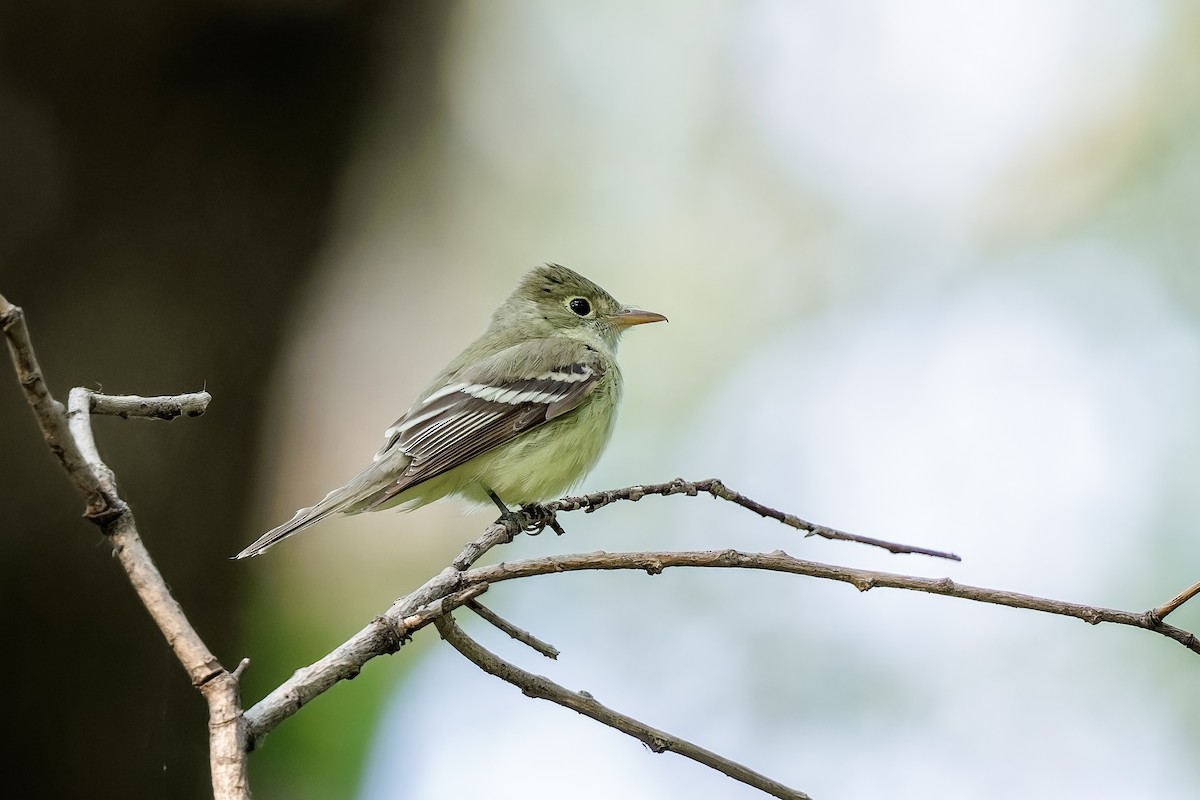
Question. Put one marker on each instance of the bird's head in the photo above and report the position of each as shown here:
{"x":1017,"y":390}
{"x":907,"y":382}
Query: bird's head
{"x":552,"y":300}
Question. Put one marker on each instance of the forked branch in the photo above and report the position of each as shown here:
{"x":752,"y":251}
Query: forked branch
{"x":861,"y":579}
{"x":233,"y":733}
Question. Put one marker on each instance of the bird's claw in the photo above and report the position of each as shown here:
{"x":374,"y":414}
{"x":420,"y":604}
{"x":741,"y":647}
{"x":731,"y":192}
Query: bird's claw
{"x":539,"y":518}
{"x":531,"y":519}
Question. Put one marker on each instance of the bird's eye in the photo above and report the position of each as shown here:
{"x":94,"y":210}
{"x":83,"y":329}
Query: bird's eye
{"x":580,"y":306}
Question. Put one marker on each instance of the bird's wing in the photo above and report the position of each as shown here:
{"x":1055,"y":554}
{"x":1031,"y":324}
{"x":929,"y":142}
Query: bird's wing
{"x":472,"y":411}
{"x":486,"y":405}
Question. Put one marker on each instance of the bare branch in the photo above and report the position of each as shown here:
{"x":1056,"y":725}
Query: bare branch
{"x":51,"y":416}
{"x":502,"y":531}
{"x":386,"y":634}
{"x":68,"y":433}
{"x":69,"y":436}
{"x":310,"y":681}
{"x":1175,"y":602}
{"x":79,"y":423}
{"x":165,"y":407}
{"x":522,"y":636}
{"x":862,"y":579}
{"x":713,"y":486}
{"x":582,"y":702}
{"x":373,"y":640}
{"x":431,"y":611}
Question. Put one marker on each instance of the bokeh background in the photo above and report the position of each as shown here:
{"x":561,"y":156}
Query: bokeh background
{"x":931,"y":269}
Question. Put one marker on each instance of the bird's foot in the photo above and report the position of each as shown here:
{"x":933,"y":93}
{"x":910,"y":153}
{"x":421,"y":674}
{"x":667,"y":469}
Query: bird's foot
{"x":532,"y":518}
{"x":539,"y":518}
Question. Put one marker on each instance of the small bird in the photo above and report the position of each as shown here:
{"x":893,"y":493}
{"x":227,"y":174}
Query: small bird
{"x":519,"y":417}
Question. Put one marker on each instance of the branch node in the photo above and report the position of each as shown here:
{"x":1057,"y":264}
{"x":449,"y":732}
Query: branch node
{"x":677,"y":486}
{"x":657,"y":745}
{"x":240,"y":669}
{"x":103,"y":512}
{"x":395,"y":633}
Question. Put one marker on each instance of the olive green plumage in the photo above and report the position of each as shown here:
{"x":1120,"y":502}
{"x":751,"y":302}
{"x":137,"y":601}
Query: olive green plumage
{"x":524,"y":412}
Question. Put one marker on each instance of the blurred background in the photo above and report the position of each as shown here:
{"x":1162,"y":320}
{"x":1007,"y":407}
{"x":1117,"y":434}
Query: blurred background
{"x":931,"y":270}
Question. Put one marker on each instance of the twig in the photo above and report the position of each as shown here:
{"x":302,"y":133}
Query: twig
{"x":1175,"y":602}
{"x":310,"y":681}
{"x":69,"y":436}
{"x":165,"y":407}
{"x":522,"y":636}
{"x":658,"y":741}
{"x":862,"y":579}
{"x":79,"y":423}
{"x":378,"y":638}
{"x":51,"y":416}
{"x":716,"y":488}
{"x":431,"y":611}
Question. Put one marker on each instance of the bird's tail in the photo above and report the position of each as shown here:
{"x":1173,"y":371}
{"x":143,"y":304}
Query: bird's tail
{"x":302,"y":519}
{"x":338,"y":501}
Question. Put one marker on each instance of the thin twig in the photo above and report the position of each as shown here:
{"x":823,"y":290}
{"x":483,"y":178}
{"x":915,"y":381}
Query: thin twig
{"x":164,"y":407}
{"x":522,"y":636}
{"x":658,"y":741}
{"x":310,"y":681}
{"x":862,"y":579}
{"x":1176,"y":601}
{"x":716,"y":488}
{"x":431,"y":611}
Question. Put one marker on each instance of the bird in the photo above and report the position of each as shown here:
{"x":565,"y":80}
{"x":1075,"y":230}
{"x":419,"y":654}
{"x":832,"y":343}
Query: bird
{"x":517,"y":418}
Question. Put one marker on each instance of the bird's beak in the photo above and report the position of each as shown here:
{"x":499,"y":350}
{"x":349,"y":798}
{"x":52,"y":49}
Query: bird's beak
{"x":628,"y":317}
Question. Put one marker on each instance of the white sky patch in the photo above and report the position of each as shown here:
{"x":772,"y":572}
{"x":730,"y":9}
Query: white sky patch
{"x":1023,"y":424}
{"x":892,"y":107}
